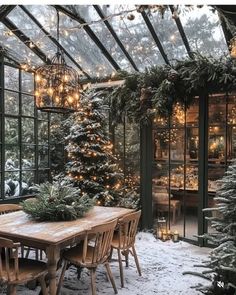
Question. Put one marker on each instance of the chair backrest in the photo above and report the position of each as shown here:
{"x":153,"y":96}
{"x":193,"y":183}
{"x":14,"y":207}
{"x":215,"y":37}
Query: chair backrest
{"x":101,"y":238}
{"x":7,"y":208}
{"x":127,"y":229}
{"x":9,"y":266}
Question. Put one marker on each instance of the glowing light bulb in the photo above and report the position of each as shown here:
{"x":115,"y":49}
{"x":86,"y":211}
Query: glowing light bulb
{"x":50,"y":91}
{"x":37,"y":78}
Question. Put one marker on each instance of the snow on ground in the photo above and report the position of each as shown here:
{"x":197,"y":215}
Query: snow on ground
{"x":162,"y":265}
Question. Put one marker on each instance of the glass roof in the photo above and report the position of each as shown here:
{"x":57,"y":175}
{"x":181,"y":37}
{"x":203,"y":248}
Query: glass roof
{"x":169,"y":35}
{"x":135,"y":36}
{"x":204,"y":32}
{"x":89,"y":14}
{"x":21,"y":52}
{"x":201,"y":26}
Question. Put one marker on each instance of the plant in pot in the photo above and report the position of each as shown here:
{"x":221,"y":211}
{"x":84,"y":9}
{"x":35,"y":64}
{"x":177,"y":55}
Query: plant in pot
{"x":57,"y":202}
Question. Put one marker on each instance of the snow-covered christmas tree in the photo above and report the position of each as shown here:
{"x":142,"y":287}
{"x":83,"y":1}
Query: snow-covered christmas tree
{"x":91,"y":164}
{"x":223,"y":257}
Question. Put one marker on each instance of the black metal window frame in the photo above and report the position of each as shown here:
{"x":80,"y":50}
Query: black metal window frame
{"x":19,"y":118}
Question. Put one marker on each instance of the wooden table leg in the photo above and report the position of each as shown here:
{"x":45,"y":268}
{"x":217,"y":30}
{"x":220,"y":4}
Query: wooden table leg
{"x":53,"y":255}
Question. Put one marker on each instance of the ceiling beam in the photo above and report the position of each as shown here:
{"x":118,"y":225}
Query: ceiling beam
{"x":155,"y":37}
{"x":53,"y":40}
{"x":91,"y":34}
{"x":5,"y":10}
{"x":113,"y":33}
{"x":182,"y":33}
{"x":26,"y":40}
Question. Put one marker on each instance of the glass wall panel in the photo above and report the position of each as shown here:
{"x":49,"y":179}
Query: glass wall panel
{"x":28,"y":157}
{"x":175,"y":170}
{"x":127,"y":149}
{"x":28,"y":180}
{"x":11,"y":130}
{"x":27,"y":130}
{"x":11,"y":103}
{"x":19,"y":168}
{"x":28,"y":105}
{"x":12,"y":184}
{"x":27,"y":82}
{"x":43,"y":128}
{"x":12,"y":157}
{"x":11,"y":78}
{"x":43,"y":157}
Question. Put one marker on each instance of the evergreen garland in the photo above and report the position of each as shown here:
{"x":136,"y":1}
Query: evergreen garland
{"x":57,"y":202}
{"x":164,"y":86}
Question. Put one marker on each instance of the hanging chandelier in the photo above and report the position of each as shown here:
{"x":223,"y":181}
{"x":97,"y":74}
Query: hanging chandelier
{"x":57,"y":84}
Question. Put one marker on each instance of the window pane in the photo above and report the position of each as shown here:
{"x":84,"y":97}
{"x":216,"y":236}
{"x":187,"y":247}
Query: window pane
{"x":161,"y":145}
{"x":12,"y":184}
{"x":43,"y":157}
{"x":192,"y":113}
{"x":43,"y":176}
{"x":11,"y":103}
{"x":28,"y":130}
{"x":28,"y":179}
{"x":28,"y":157}
{"x":177,"y":138}
{"x":178,"y":117}
{"x":27,"y":105}
{"x":11,"y":130}
{"x":192,"y":141}
{"x":43,"y":132}
{"x":12,"y":159}
{"x":11,"y":78}
{"x":27,"y":82}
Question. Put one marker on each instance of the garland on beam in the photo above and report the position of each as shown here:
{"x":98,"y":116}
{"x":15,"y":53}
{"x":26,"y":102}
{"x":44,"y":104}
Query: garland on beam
{"x":158,"y":89}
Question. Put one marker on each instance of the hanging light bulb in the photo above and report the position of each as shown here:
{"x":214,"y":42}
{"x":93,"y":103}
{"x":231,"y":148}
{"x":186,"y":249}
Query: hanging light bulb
{"x":57,"y":84}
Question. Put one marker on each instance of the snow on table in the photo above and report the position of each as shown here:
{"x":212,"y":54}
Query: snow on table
{"x":162,"y":265}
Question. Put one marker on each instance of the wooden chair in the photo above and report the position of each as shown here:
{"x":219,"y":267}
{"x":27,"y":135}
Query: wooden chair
{"x":92,"y":252}
{"x":161,"y":201}
{"x":124,"y":241}
{"x":14,"y":270}
{"x":8,"y":208}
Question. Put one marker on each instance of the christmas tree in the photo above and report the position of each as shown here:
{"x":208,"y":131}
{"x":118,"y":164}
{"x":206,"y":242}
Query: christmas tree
{"x":91,"y":164}
{"x":222,"y":261}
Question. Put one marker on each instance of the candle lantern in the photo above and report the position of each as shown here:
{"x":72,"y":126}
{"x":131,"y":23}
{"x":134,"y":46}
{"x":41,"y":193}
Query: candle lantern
{"x":175,"y":237}
{"x":161,"y":227}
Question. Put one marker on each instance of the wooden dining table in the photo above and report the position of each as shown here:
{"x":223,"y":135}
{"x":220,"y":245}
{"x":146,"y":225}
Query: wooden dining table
{"x":52,"y":237}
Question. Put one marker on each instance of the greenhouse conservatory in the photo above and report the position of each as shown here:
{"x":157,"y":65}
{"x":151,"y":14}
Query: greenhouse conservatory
{"x":117,"y":120}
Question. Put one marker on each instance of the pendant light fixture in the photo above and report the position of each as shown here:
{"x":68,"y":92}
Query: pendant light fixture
{"x":57,"y":84}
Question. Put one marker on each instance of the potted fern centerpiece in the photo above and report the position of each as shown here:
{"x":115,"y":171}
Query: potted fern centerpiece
{"x":57,"y":202}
